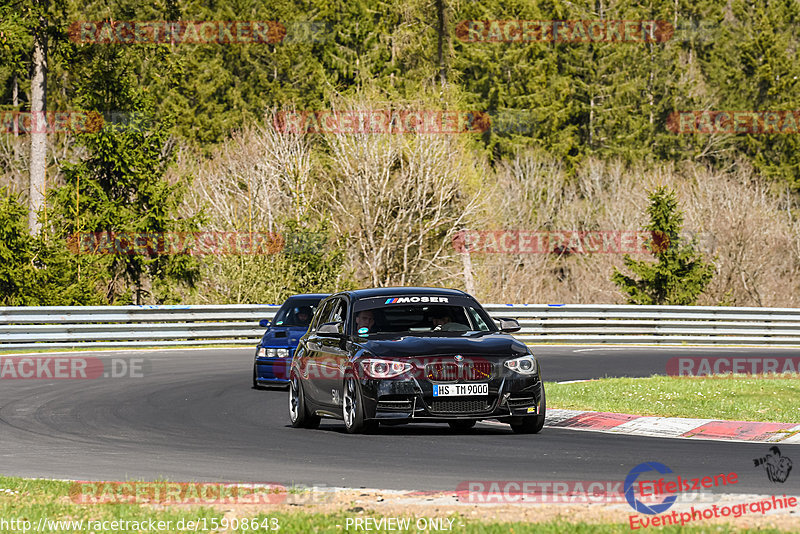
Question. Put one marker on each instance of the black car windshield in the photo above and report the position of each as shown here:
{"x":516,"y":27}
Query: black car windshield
{"x":296,"y":312}
{"x":420,"y":319}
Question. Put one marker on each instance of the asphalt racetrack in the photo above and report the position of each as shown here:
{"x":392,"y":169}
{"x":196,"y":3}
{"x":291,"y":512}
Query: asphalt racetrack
{"x":195,"y":417}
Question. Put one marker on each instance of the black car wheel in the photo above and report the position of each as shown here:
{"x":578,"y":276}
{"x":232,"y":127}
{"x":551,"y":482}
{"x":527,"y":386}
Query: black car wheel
{"x":532,"y":424}
{"x":298,"y":414}
{"x":353,"y":408}
{"x":255,"y":378}
{"x":461,"y":425}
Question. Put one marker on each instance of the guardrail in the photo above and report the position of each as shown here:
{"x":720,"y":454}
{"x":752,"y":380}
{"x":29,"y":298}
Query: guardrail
{"x":613,"y":323}
{"x":129,"y":326}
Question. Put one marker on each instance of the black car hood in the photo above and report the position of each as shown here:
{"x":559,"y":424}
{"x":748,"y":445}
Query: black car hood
{"x":411,"y":346}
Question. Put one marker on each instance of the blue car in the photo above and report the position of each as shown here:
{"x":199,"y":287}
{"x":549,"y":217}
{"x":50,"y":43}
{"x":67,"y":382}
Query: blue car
{"x":274,"y":352}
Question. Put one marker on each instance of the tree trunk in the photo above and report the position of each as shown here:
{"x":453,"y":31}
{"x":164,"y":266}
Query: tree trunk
{"x":591,"y":120}
{"x":442,"y":31}
{"x":38,"y":123}
{"x":15,"y":102}
{"x":469,"y":281}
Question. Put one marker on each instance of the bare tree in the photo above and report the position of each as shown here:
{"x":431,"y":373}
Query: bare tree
{"x":399,"y":199}
{"x":256,"y":181}
{"x":259,"y":177}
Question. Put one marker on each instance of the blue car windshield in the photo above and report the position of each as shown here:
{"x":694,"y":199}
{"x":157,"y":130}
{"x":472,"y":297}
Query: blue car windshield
{"x":296,"y":312}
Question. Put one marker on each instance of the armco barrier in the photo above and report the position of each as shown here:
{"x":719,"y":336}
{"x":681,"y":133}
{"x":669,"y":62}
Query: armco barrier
{"x":126,"y":326}
{"x":130,"y":326}
{"x":614,"y":323}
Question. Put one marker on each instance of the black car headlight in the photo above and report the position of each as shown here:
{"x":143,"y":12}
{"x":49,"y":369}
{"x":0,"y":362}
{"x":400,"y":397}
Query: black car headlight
{"x":375,"y":368}
{"x":526,"y":365}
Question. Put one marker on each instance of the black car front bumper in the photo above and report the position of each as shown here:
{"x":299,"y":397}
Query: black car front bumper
{"x":412,"y":400}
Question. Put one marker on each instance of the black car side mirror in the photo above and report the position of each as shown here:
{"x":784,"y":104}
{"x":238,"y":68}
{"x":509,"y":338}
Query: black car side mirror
{"x":263,"y":323}
{"x":507,"y":325}
{"x":331,"y":329}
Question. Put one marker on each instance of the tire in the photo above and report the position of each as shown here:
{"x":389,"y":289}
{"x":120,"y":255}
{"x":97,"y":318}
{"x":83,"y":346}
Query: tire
{"x":298,"y":414}
{"x":353,"y":408}
{"x":532,"y":424}
{"x":255,"y":378}
{"x":461,"y":425}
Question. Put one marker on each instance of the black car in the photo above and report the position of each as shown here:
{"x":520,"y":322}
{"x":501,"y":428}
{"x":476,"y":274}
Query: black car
{"x":401,"y":355}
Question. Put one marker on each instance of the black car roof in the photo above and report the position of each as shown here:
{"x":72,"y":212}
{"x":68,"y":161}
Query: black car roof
{"x":395,"y":291}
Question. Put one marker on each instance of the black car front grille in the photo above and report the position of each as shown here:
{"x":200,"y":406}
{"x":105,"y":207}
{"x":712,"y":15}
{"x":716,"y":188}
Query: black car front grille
{"x":460,"y":406}
{"x":442,"y":372}
{"x":478,"y":370}
{"x":468,"y":371}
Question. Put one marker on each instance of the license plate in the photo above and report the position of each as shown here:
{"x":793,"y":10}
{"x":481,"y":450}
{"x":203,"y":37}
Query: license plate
{"x":460,"y":390}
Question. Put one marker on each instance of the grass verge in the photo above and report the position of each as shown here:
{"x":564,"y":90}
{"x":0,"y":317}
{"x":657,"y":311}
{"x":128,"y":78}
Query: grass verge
{"x":37,"y":505}
{"x":728,"y":397}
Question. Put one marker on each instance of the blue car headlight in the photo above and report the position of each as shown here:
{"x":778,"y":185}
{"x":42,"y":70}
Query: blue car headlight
{"x":266,"y":352}
{"x":526,"y":365}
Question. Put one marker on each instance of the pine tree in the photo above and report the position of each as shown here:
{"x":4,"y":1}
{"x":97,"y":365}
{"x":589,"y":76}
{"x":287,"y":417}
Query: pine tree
{"x":120,"y":188}
{"x":680,"y":274}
